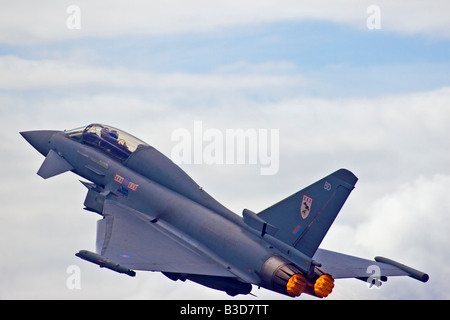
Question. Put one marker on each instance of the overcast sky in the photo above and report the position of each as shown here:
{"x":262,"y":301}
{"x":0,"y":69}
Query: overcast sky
{"x":343,"y":89}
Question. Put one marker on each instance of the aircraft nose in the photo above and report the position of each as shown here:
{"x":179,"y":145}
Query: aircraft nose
{"x":39,"y":139}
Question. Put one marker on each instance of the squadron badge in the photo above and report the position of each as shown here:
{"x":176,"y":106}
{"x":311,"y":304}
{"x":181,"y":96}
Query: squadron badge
{"x":305,"y":207}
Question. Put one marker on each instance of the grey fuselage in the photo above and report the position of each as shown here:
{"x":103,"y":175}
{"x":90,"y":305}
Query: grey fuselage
{"x":166,"y":194}
{"x":156,"y":218}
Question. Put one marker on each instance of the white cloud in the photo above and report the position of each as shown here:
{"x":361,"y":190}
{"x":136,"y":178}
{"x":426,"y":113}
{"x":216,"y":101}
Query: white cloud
{"x":25,"y":74}
{"x":45,"y":20}
{"x":414,"y":208}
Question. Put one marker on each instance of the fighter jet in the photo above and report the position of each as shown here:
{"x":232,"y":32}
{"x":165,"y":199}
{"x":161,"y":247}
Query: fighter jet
{"x":154,"y":217}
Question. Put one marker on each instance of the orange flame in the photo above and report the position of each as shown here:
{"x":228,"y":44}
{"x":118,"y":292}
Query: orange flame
{"x":323,"y":286}
{"x":296,"y":285}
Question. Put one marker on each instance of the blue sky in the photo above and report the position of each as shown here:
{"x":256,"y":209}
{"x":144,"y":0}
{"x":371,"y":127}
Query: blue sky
{"x":373,"y":101}
{"x":347,"y":61}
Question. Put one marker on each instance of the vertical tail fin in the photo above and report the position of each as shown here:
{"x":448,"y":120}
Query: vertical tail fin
{"x":304,"y":218}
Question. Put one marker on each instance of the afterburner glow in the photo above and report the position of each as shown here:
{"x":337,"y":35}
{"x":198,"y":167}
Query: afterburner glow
{"x":323,"y":286}
{"x":296,"y":285}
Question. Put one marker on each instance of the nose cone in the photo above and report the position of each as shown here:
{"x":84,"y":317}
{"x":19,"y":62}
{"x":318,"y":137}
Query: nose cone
{"x":39,"y":139}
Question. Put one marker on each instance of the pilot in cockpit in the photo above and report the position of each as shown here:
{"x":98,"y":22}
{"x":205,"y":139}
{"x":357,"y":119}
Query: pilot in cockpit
{"x":111,"y":136}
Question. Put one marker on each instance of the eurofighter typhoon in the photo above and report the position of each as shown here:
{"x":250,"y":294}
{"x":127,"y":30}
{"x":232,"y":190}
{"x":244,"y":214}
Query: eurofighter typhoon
{"x":156,"y":218}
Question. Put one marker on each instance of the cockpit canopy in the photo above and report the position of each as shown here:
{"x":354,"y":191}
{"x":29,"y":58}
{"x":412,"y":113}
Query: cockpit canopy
{"x":110,"y":140}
